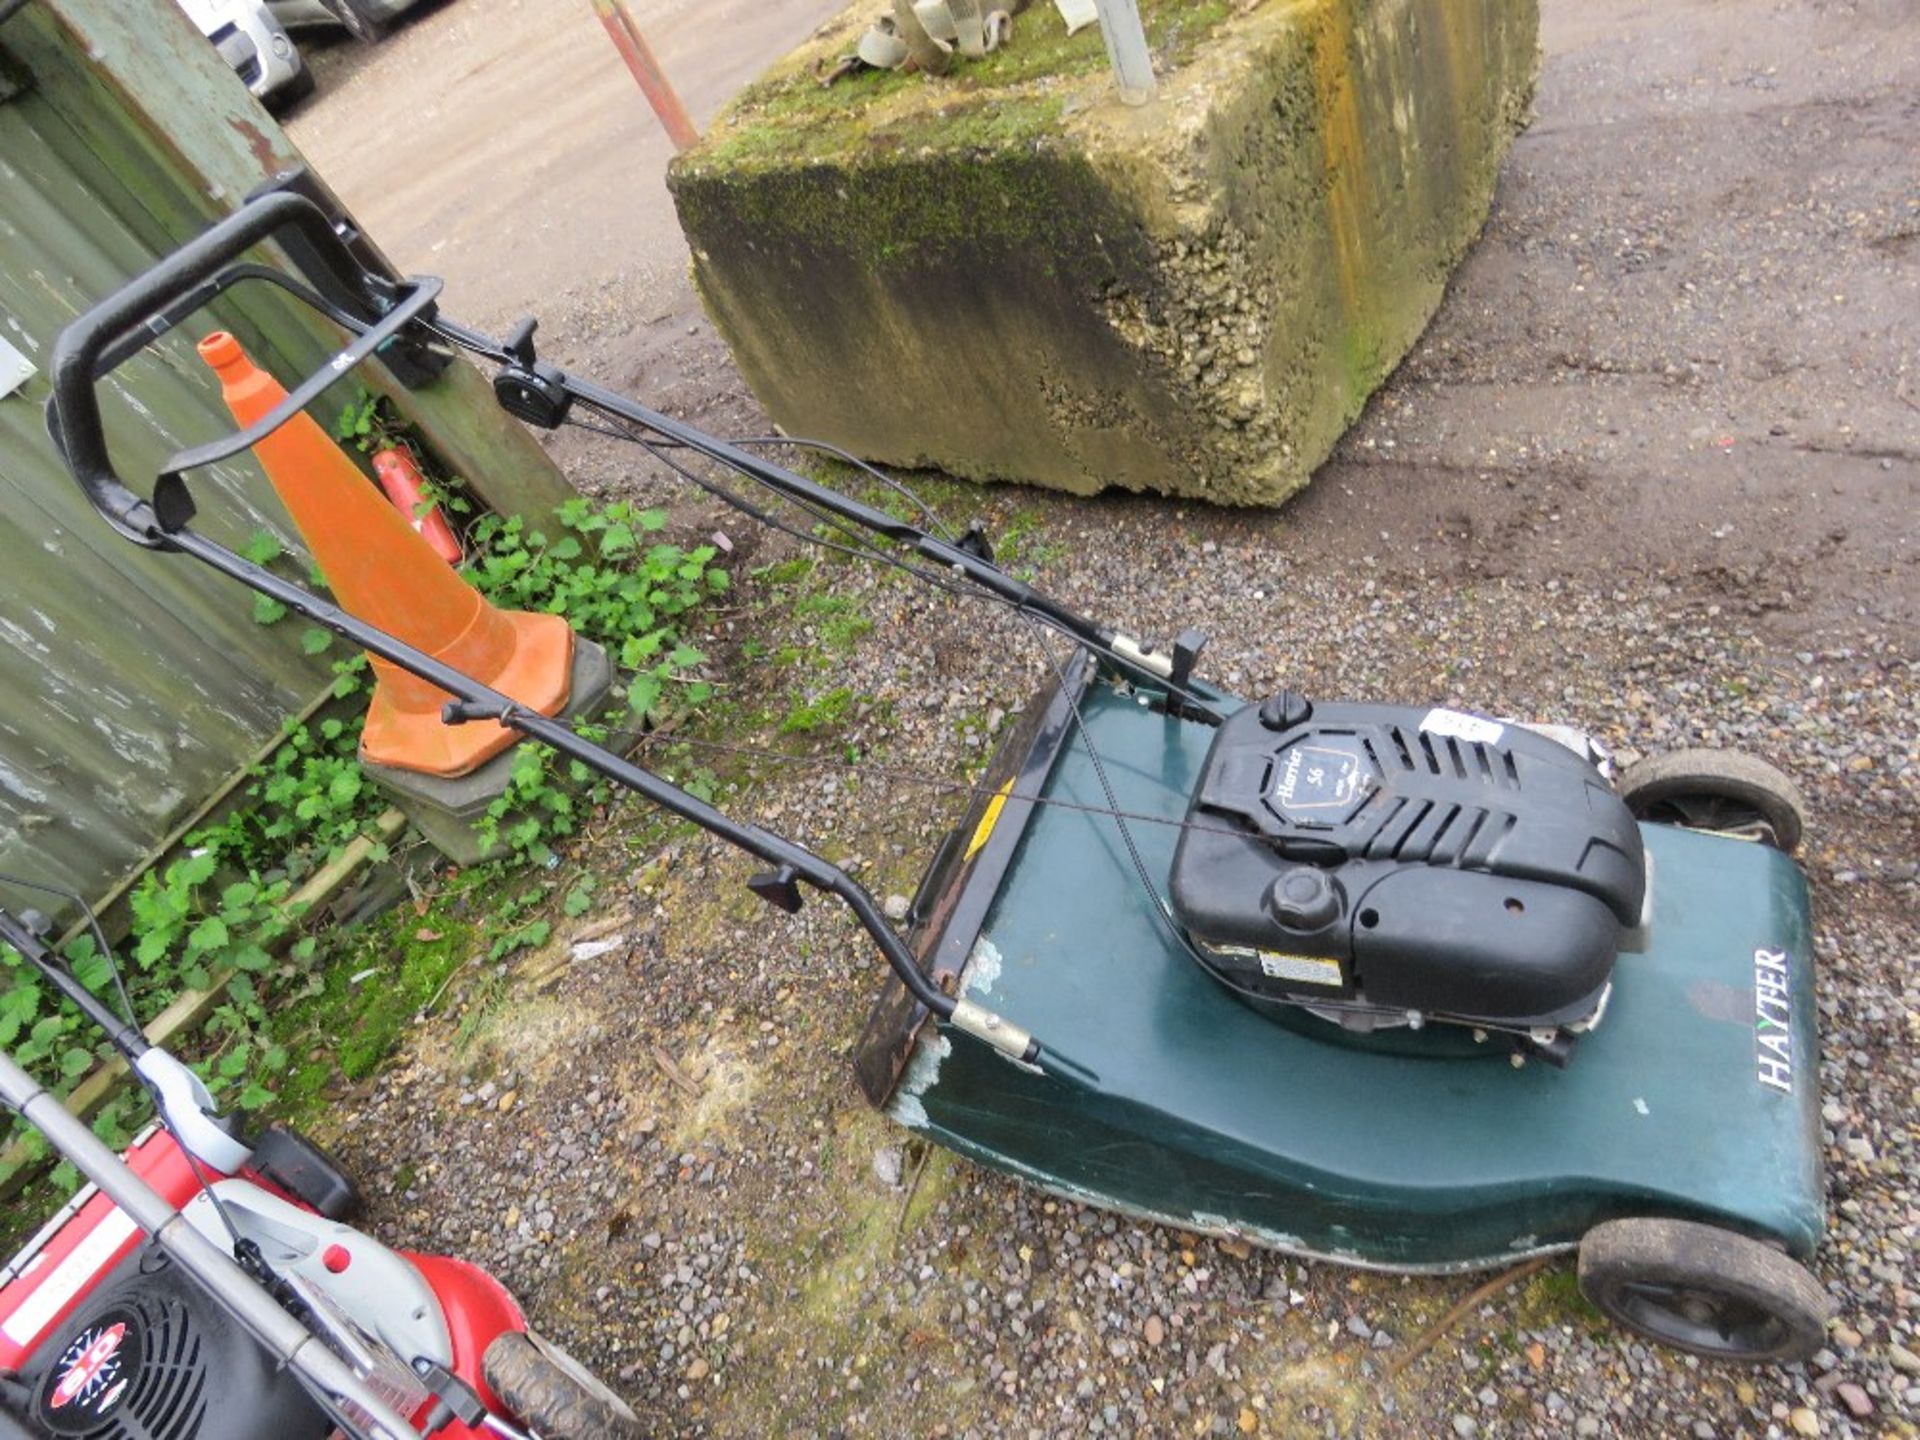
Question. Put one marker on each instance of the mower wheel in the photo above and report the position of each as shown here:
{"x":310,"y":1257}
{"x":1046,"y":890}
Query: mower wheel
{"x":1703,"y":1289}
{"x":553,"y":1394}
{"x":304,"y":1169}
{"x":1722,"y":791}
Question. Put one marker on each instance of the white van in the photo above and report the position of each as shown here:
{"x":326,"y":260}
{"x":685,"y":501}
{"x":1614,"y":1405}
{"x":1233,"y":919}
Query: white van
{"x":252,"y":40}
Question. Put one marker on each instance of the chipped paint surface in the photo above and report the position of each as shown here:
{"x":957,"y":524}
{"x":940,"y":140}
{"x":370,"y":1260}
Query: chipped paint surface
{"x":920,"y":1076}
{"x":1218,"y":1226}
{"x":922,"y":1070}
{"x":982,"y":970}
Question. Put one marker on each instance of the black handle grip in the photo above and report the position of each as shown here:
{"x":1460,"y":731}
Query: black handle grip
{"x":148,"y":306}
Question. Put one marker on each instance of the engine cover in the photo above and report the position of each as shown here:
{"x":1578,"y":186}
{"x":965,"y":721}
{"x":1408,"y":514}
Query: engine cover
{"x":151,"y":1356}
{"x":1406,"y":860}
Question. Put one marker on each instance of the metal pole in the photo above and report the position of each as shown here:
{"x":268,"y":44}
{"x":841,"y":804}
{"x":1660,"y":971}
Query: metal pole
{"x":653,"y":81}
{"x":290,"y":1342}
{"x":1126,"y":41}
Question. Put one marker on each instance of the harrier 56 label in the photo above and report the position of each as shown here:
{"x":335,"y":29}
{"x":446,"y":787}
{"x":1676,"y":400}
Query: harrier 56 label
{"x":1317,"y":778}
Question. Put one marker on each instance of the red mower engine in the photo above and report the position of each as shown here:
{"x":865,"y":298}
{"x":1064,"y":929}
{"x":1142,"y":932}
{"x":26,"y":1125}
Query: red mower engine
{"x":207,"y":1285}
{"x":103,"y":1338}
{"x":101,"y":1335}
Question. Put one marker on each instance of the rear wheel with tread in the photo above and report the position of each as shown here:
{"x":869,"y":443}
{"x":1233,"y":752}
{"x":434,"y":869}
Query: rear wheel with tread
{"x":1721,"y":791}
{"x":1703,"y":1289}
{"x":552,"y":1393}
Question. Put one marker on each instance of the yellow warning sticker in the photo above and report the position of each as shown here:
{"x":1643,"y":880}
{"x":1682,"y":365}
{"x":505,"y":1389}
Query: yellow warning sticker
{"x":984,"y":830}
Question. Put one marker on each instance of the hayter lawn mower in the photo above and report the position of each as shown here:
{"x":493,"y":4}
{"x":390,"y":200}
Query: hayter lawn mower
{"x":209,"y":1285}
{"x":1400,"y":987}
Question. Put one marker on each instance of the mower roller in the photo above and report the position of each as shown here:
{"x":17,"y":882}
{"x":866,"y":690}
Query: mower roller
{"x":1399,"y":987}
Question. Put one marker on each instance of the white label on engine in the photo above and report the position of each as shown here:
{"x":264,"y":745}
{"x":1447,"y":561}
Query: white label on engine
{"x":1462,"y":726}
{"x":1307,"y":969}
{"x":67,"y":1279}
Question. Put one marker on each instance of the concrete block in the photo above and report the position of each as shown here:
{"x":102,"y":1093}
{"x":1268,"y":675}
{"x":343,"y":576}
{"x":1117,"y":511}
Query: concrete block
{"x":447,"y":812}
{"x":1006,"y":274}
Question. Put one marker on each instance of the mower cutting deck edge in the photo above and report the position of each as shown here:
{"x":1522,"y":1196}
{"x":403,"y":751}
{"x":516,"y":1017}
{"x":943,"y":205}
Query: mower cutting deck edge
{"x":1400,"y":1150}
{"x":1415,"y":989}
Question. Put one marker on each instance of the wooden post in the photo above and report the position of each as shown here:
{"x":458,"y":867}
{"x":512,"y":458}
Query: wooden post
{"x":179,"y":113}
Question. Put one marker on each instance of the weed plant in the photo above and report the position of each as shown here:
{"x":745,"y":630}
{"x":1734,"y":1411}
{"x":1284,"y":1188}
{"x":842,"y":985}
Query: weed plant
{"x":219,"y":918}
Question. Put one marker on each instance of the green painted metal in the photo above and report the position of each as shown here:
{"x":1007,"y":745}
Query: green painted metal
{"x":130,"y":685}
{"x":1209,"y":1117}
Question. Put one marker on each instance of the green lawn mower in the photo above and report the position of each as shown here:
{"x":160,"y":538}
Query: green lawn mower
{"x":1398,"y":987}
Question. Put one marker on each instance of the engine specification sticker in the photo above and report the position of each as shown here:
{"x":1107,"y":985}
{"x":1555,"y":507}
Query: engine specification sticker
{"x":1306,"y":969}
{"x":1462,"y":726}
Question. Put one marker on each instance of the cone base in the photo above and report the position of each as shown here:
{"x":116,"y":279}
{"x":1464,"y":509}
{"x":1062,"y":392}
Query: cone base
{"x":449,"y":811}
{"x":538,"y":675}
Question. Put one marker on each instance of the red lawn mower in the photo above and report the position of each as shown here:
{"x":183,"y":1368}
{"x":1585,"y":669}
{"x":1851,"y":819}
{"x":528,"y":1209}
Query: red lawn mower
{"x":209,"y":1286}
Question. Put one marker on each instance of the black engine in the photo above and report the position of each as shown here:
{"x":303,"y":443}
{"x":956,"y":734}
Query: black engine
{"x":150,"y":1356}
{"x":1389,"y":865}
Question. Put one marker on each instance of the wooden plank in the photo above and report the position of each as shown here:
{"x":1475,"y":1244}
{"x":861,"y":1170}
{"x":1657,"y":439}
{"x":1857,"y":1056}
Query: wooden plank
{"x":191,"y":1007}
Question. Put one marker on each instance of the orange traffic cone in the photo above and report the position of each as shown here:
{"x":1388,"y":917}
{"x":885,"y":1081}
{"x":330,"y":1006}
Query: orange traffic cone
{"x":386,"y":574}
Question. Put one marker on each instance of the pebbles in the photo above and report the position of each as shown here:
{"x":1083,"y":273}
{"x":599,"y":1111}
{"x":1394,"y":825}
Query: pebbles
{"x":742,"y":1254}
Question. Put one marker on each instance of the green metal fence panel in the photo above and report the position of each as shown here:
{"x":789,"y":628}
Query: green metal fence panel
{"x":131,"y":683}
{"x":131,"y":686}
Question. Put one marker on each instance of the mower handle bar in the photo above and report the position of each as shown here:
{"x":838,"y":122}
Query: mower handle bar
{"x":1132,"y":658}
{"x":97,"y":343}
{"x":183,"y":282}
{"x":792,"y":861}
{"x":154,"y":302}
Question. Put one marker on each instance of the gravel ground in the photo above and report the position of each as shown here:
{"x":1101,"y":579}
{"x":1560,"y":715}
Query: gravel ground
{"x":1651,"y":473}
{"x":742,"y":1244}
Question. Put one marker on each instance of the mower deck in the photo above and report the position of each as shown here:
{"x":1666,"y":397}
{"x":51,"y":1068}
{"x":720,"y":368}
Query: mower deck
{"x":1695,"y":1098}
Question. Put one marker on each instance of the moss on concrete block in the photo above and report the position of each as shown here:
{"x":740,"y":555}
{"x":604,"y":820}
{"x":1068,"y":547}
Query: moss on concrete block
{"x":1007,"y":275}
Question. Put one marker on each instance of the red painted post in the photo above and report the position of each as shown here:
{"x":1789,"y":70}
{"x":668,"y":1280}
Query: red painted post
{"x":646,"y":70}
